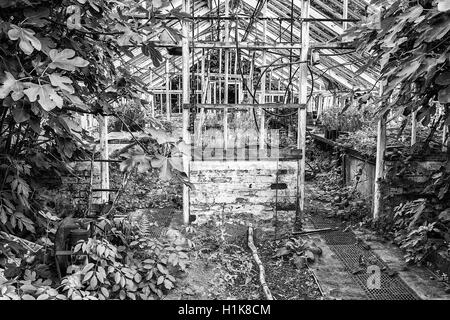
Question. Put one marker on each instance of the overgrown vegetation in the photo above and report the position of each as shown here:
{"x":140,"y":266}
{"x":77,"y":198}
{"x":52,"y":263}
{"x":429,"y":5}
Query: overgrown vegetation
{"x":409,"y":41}
{"x":58,"y":59}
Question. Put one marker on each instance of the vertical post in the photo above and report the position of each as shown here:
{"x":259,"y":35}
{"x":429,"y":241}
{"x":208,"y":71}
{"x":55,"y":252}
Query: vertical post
{"x":270,"y":80}
{"x":303,"y":88}
{"x":220,"y":77}
{"x":250,"y":75}
{"x":152,"y":107}
{"x":445,"y":131}
{"x":413,"y":128}
{"x":345,"y":14}
{"x":241,"y":89}
{"x":167,"y":91}
{"x":152,"y":97}
{"x":321,"y":102}
{"x":209,"y":89}
{"x":379,"y":165}
{"x":445,"y":139}
{"x":262,"y":97}
{"x":225,"y":93}
{"x":186,"y":135}
{"x":204,"y":95}
{"x":104,"y":166}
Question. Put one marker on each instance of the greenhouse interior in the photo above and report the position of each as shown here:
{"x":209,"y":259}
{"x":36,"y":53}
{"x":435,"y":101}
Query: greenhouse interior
{"x":224,"y":150}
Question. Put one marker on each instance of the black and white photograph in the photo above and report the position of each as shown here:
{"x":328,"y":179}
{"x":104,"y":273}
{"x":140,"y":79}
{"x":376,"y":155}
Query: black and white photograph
{"x":224,"y":158}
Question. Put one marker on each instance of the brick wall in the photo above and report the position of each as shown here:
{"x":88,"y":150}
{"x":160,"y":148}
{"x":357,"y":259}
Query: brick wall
{"x":240,"y":189}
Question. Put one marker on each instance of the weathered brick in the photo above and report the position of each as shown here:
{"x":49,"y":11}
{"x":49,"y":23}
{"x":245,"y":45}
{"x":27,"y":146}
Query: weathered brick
{"x":240,"y":187}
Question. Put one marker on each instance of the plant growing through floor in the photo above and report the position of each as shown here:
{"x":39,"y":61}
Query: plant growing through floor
{"x":146,"y":269}
{"x":140,"y":268}
{"x":417,"y":228}
{"x":30,"y":287}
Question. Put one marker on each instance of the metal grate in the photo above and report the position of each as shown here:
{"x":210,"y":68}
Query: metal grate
{"x":322,"y":222}
{"x":332,"y":237}
{"x":344,"y":245}
{"x":392,"y":287}
{"x":339,"y":237}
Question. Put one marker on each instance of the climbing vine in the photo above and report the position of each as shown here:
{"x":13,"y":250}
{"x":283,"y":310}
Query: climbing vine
{"x":58,"y":60}
{"x":409,"y":41}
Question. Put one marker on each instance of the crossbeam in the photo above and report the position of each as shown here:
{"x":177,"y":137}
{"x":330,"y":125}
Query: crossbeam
{"x":245,"y":106}
{"x":240,"y":17}
{"x":252,"y":45}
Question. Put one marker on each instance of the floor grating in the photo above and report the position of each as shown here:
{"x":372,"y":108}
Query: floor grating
{"x":356,"y":259}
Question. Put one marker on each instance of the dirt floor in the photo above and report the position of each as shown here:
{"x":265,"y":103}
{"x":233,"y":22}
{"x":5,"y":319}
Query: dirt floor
{"x":226,"y":270}
{"x":222,"y":265}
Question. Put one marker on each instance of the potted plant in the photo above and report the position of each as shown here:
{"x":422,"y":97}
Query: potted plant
{"x":336,"y":121}
{"x":331,"y":122}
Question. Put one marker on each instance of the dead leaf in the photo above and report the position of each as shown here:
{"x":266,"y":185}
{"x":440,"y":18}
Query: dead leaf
{"x":283,"y":251}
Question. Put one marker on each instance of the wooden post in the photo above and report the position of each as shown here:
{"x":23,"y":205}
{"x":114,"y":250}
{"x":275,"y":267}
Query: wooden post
{"x":209,"y":89}
{"x":152,"y":97}
{"x":445,"y":139}
{"x":241,"y":90}
{"x":345,"y":14}
{"x":413,"y":128}
{"x":303,"y":97}
{"x":225,"y":92}
{"x":104,"y":166}
{"x":152,"y":107}
{"x":204,"y":95}
{"x":262,"y":97}
{"x":235,"y":63}
{"x":270,"y":80}
{"x":167,"y":91}
{"x":445,"y":131}
{"x":186,"y":136}
{"x":379,"y":165}
{"x":250,"y":77}
{"x":220,"y":77}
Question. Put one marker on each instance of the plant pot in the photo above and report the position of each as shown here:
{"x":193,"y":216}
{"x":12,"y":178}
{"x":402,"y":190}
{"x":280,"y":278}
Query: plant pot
{"x":77,"y":235}
{"x":331,"y":134}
